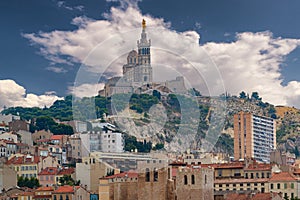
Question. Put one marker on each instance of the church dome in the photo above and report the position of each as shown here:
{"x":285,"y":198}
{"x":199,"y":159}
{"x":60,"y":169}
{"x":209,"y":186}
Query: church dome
{"x":132,"y":53}
{"x":132,"y":57}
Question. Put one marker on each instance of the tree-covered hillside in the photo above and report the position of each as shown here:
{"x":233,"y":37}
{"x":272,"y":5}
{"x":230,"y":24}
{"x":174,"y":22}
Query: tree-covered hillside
{"x":141,"y":104}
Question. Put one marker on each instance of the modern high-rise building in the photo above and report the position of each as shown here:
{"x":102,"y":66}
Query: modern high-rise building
{"x":254,"y":137}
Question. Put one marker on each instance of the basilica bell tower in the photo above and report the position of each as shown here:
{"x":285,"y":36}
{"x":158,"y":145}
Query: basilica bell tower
{"x":144,"y":74}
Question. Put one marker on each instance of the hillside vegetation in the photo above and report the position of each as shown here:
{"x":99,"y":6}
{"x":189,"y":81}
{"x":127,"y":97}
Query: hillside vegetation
{"x":177,"y":128}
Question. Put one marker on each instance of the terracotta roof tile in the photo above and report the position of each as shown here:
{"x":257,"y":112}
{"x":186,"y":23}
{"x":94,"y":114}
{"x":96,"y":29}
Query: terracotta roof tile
{"x":49,"y":171}
{"x":257,"y":196}
{"x":283,"y":176}
{"x":42,"y":196}
{"x":66,"y":171}
{"x":65,"y":189}
{"x":18,"y":160}
{"x":235,"y":196}
{"x":232,"y":165}
{"x":129,"y":174}
{"x":258,"y":167}
{"x":263,"y":196}
{"x":44,"y":188}
{"x":56,"y":137}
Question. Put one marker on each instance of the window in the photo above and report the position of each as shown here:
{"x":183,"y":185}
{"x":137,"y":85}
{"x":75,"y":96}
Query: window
{"x":147,"y":175}
{"x":185,"y":180}
{"x":278,"y":185}
{"x":246,"y":175}
{"x":285,"y":186}
{"x":262,"y":175}
{"x":155,"y":175}
{"x":60,"y":197}
{"x":193,"y":179}
{"x":292,"y":185}
{"x":205,"y":179}
{"x":67,"y":197}
{"x":272,"y":186}
{"x":54,"y":197}
{"x":219,"y":172}
{"x":252,"y":175}
{"x":257,"y":176}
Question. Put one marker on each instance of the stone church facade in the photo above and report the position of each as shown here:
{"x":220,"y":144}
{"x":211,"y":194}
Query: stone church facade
{"x":138,"y":72}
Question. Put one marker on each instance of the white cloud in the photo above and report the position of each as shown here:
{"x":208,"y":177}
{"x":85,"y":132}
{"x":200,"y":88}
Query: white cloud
{"x":251,"y":63}
{"x":198,"y":25}
{"x":62,"y":4}
{"x":13,"y":94}
{"x":56,"y":69}
{"x":86,"y":90}
{"x":126,"y":3}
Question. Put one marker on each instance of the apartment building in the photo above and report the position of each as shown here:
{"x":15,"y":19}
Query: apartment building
{"x":254,"y":137}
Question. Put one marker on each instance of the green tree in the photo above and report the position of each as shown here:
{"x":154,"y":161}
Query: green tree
{"x":243,"y":95}
{"x":159,"y":146}
{"x":194,"y":92}
{"x":26,"y":182}
{"x":68,"y":180}
{"x":44,"y":123}
{"x":156,"y":94}
{"x":255,"y":96}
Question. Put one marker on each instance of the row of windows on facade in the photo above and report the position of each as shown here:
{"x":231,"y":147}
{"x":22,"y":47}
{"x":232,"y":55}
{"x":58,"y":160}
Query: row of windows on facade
{"x":278,"y":185}
{"x":249,"y":175}
{"x":185,"y":179}
{"x":60,"y":197}
{"x":241,"y":189}
{"x":241,"y":184}
{"x":285,"y":186}
{"x":148,"y":176}
{"x":27,"y":168}
{"x":49,"y":178}
{"x":144,"y":51}
{"x":29,"y":175}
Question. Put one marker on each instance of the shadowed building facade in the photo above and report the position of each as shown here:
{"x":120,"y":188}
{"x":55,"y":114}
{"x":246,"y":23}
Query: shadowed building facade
{"x":254,"y":137}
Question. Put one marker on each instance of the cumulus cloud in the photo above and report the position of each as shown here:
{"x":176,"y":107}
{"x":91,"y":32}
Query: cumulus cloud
{"x":62,"y":4}
{"x":126,"y":3}
{"x":252,"y":62}
{"x":13,"y":94}
{"x":86,"y":90}
{"x":56,"y":69}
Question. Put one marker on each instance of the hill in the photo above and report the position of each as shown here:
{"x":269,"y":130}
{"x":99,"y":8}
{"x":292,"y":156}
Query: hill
{"x":166,"y":115}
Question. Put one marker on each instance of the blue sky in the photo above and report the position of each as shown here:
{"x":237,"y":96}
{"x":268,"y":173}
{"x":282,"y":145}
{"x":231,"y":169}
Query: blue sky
{"x":217,"y":23}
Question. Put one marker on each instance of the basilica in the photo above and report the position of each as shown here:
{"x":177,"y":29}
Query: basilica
{"x":138,"y":73}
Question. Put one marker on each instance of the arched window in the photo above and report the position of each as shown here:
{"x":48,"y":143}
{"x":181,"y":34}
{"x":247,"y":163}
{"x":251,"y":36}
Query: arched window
{"x":193,"y":179}
{"x":185,"y":180}
{"x":147,"y":175}
{"x":155,"y":175}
